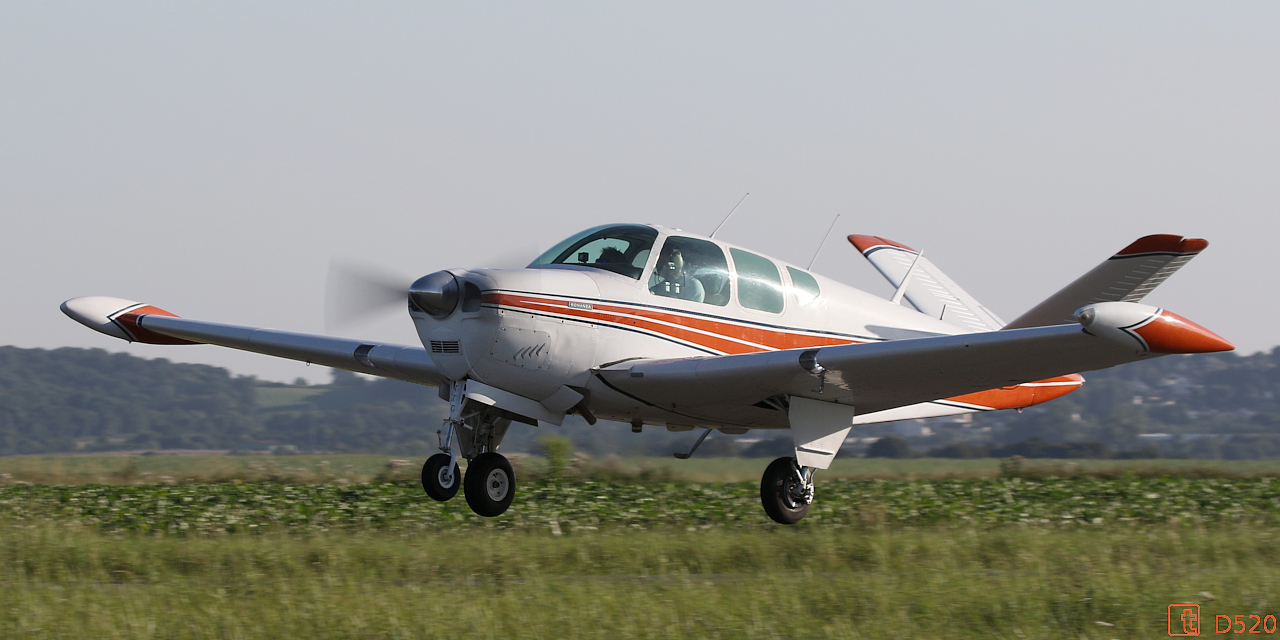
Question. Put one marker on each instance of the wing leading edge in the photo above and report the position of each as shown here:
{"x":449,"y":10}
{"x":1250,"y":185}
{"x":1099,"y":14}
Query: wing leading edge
{"x":137,"y":322}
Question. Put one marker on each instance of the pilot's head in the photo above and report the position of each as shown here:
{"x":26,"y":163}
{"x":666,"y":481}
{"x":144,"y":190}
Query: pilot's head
{"x":611,"y":255}
{"x":671,"y":264}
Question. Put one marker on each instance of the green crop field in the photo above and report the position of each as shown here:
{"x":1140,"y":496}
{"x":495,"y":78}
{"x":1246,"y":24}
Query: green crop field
{"x":553,"y":506}
{"x":367,"y":467}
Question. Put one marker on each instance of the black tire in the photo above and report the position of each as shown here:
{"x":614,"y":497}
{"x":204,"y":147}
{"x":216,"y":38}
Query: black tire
{"x":432,"y":478}
{"x":490,"y":484}
{"x":780,"y":491}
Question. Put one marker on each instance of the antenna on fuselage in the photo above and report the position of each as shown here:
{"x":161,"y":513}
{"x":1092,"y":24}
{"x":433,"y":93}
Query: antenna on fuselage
{"x":823,"y":243}
{"x":726,"y":218}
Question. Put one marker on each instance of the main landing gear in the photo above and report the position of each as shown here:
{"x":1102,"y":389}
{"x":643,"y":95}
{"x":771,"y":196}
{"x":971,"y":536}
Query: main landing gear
{"x":490,"y":483}
{"x":786,"y":490}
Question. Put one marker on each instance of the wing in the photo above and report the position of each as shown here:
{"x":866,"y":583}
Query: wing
{"x":1128,"y":276}
{"x":930,"y":291}
{"x":885,"y":375}
{"x":137,"y":322}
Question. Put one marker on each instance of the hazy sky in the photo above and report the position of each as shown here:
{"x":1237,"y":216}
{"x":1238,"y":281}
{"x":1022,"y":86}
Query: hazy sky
{"x":212,"y":158}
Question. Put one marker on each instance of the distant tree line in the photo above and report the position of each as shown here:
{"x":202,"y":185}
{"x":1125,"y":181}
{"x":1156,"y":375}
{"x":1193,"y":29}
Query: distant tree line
{"x":62,"y":400}
{"x":88,"y":400}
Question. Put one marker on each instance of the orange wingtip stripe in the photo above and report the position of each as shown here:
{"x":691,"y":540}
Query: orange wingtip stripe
{"x":1019,"y":396}
{"x":1164,"y":242}
{"x":1172,"y":333}
{"x":866,"y":242}
{"x":130,"y":321}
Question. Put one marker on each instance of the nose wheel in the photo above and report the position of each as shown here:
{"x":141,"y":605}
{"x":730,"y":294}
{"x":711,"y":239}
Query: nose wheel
{"x":786,"y":491}
{"x":438,"y":480}
{"x":490,"y":484}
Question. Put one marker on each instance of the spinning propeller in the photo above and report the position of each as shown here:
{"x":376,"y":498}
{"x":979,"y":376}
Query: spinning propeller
{"x":357,"y":291}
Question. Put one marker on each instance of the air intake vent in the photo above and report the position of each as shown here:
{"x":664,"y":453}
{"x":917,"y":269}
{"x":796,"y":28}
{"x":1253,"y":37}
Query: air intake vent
{"x":445,"y":346}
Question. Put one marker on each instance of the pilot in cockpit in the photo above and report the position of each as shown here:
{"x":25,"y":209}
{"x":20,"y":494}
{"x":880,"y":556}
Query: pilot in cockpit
{"x":673,"y":281}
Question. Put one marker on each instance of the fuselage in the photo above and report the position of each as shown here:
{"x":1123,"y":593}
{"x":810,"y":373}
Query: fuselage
{"x":532,"y":331}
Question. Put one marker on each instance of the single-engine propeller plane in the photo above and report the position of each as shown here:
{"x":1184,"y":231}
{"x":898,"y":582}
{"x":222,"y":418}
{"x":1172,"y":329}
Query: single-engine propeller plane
{"x":653,"y":326}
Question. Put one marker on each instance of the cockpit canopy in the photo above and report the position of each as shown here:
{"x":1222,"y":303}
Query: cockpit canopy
{"x":621,"y":248}
{"x":688,"y":268}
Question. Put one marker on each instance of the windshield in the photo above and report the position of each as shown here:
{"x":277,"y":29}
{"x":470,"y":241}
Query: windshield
{"x":622,"y":249}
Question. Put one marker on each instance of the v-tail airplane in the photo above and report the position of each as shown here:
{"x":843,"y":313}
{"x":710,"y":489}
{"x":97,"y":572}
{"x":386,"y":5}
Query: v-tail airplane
{"x":652,"y":326}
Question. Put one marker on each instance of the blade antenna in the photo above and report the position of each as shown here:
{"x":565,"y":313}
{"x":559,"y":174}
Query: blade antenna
{"x":902,"y":288}
{"x":726,"y":218}
{"x":823,"y":243}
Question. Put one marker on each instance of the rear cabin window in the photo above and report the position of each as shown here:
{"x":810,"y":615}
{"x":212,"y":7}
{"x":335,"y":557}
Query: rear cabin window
{"x":759,"y":283}
{"x":691,"y":269}
{"x":803,"y":286}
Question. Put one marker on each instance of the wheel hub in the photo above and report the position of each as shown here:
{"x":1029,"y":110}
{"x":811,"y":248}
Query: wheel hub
{"x":445,"y":477}
{"x":496,"y":485}
{"x":797,"y":490}
{"x":794,"y":493}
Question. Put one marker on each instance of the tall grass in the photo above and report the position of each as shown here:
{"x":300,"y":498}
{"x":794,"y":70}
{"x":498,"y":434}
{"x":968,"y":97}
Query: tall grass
{"x":68,"y":582}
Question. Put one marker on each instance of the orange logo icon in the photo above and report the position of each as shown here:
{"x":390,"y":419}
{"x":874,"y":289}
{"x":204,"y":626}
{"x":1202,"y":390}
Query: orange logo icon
{"x":1184,"y":619}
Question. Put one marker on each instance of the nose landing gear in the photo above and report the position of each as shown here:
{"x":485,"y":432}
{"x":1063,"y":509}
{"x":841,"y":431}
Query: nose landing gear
{"x":439,"y":480}
{"x":786,"y":491}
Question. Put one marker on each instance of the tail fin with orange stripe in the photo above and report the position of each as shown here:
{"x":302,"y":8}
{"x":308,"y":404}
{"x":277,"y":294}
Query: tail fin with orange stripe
{"x":1128,"y":276}
{"x":924,"y":285}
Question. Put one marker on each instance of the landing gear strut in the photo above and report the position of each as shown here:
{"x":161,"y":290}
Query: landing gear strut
{"x":786,"y":491}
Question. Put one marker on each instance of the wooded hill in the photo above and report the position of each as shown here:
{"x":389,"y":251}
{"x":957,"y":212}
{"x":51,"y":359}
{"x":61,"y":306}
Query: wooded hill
{"x":87,"y":400}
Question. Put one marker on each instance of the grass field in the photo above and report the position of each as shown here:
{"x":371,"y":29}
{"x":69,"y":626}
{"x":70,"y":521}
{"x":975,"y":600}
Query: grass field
{"x":892,"y":549}
{"x":366,"y":467}
{"x":1009,"y":582}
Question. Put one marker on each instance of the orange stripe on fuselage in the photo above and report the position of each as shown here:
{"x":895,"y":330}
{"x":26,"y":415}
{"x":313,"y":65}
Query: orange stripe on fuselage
{"x":720,"y":336}
{"x":729,"y":338}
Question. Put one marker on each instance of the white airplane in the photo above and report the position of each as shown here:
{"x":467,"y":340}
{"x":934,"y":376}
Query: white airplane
{"x":654,"y":326}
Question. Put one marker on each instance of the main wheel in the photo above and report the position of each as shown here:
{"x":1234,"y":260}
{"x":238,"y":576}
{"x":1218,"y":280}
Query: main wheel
{"x":490,"y":484}
{"x":782,"y":493}
{"x":439,"y":484}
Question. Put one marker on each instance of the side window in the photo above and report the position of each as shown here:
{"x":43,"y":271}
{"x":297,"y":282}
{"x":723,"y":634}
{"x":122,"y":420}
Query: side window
{"x":691,"y":269}
{"x":759,"y":283}
{"x":803,"y":286}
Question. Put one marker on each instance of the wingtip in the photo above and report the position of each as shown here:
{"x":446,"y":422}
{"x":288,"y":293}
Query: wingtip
{"x":865,"y":243}
{"x":117,"y":318}
{"x":1172,"y":333}
{"x":1149,"y":329}
{"x":1163,"y":243}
